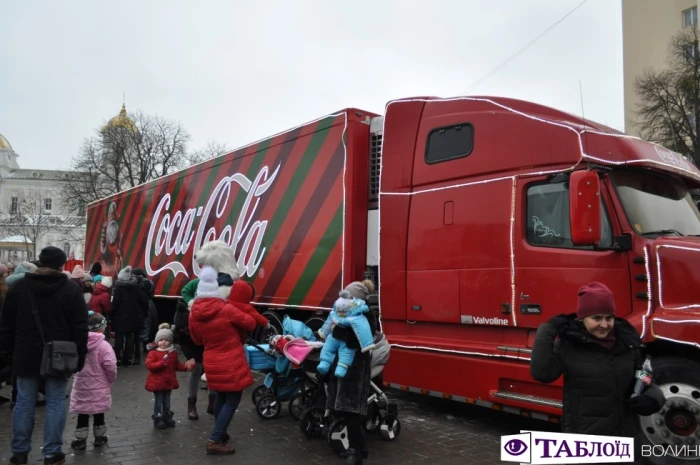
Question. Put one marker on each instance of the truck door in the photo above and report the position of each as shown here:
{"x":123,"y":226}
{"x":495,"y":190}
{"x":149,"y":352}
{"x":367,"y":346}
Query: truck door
{"x":458,"y":270}
{"x":549,"y":268}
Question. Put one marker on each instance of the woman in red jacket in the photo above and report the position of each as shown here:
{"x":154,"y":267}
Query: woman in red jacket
{"x":216,"y":325}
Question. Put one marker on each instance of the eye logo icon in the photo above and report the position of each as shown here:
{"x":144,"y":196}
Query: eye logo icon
{"x":515,"y":447}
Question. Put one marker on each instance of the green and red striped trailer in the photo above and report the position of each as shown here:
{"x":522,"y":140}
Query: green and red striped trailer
{"x":478,"y":217}
{"x":293,"y":207}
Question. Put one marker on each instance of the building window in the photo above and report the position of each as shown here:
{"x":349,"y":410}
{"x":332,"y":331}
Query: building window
{"x":449,"y":143}
{"x":14,"y":205}
{"x":47,"y":206}
{"x":548,"y":222}
{"x":66,"y":248}
{"x":690,"y":16}
{"x":689,"y":51}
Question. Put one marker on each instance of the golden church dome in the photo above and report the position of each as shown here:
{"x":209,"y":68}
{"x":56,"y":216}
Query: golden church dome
{"x":121,"y":120}
{"x":4,"y":143}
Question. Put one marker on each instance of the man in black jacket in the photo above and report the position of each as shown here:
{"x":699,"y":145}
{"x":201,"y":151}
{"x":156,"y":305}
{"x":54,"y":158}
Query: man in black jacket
{"x":63,"y":315}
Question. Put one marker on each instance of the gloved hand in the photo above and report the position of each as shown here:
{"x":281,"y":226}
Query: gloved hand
{"x":559,"y":321}
{"x":165,"y":361}
{"x":647,"y":403}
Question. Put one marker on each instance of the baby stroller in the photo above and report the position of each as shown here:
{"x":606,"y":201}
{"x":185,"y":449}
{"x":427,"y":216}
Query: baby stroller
{"x":286,"y":381}
{"x":382,"y":414}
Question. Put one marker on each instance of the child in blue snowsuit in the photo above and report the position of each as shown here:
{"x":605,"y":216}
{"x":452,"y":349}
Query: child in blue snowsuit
{"x":347,"y":312}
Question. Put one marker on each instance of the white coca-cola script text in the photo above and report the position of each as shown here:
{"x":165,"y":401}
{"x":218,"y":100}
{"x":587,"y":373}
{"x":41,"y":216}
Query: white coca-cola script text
{"x":174,"y":234}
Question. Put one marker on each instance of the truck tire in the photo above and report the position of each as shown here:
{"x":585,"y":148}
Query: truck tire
{"x":679,"y":419}
{"x":263,"y":335}
{"x":315,"y":322}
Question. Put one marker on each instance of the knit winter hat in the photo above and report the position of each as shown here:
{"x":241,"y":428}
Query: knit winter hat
{"x":164,"y":332}
{"x":595,"y":298}
{"x":78,"y":272}
{"x":97,"y":278}
{"x":207,"y":286}
{"x":124,"y":274}
{"x":96,"y":322}
{"x":107,"y":282}
{"x":360,"y":290}
{"x":343,"y":303}
{"x":52,"y":257}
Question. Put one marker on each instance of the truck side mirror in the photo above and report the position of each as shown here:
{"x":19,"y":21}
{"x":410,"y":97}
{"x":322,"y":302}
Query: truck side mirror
{"x":584,"y":207}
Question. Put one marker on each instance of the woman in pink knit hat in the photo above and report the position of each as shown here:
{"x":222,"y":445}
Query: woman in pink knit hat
{"x":598,"y":354}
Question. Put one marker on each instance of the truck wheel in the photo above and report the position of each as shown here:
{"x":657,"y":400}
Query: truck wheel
{"x":262,"y":335}
{"x":315,"y":322}
{"x":678,"y":422}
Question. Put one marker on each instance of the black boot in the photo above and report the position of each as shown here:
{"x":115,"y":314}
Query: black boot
{"x":81,"y":435}
{"x":159,"y":421}
{"x":348,"y":452}
{"x":353,"y":458}
{"x":100,"y":432}
{"x":192,"y":408}
{"x":168,"y":418}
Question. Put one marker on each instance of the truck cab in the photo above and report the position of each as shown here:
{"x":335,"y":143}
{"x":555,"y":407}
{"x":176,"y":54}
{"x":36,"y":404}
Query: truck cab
{"x":493,"y":213}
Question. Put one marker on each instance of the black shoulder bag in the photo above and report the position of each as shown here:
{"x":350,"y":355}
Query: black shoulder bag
{"x":60,"y":358}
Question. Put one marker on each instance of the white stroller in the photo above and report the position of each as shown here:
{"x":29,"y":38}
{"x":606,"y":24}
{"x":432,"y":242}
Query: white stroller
{"x":382,"y":415}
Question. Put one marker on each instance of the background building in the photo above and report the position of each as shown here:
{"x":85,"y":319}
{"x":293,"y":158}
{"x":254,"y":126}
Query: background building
{"x":32,"y":213}
{"x":647,"y":26}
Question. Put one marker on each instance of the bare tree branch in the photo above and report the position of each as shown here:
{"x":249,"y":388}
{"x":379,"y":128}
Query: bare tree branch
{"x":124,"y":153}
{"x":210,"y":150}
{"x":668,"y":111}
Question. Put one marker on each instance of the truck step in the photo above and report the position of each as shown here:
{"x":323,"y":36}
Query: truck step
{"x":529,"y":399}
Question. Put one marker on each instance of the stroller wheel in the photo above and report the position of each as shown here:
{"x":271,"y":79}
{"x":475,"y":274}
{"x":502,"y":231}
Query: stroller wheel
{"x":296,"y":406}
{"x":300,"y":402}
{"x":338,"y":436}
{"x":371,"y":424}
{"x":260,"y":392}
{"x":311,"y":422}
{"x":389,"y":427}
{"x":269,"y":407}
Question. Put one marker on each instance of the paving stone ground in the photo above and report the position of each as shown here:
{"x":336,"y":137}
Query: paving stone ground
{"x":434,"y":431}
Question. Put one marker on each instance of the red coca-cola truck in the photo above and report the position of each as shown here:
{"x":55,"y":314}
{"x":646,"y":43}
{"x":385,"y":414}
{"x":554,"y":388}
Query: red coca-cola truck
{"x":478,"y":218}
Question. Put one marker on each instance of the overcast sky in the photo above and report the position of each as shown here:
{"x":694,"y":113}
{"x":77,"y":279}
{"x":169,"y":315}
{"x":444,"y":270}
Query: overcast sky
{"x":235,"y":72}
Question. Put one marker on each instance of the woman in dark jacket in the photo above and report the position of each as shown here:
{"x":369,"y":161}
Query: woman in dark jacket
{"x":129,"y":308}
{"x":598,"y":355}
{"x":347,"y":396}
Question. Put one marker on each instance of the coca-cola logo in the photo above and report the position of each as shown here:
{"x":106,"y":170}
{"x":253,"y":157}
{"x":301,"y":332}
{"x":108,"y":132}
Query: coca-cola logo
{"x":673,"y":158}
{"x":174,"y":233}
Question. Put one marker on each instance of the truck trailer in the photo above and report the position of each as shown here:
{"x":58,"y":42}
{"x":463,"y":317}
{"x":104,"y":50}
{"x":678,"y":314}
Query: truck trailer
{"x":478,"y":219}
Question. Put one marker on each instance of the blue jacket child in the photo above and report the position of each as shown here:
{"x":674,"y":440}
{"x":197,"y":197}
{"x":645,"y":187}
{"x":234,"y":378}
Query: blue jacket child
{"x":348,"y":312}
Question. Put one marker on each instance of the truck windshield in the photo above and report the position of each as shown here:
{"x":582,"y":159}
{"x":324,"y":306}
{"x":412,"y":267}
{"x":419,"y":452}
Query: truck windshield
{"x":657,"y":204}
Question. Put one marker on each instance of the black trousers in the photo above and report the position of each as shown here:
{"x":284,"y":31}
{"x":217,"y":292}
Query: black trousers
{"x":126,"y":353}
{"x":356,"y":436}
{"x":84,"y":420}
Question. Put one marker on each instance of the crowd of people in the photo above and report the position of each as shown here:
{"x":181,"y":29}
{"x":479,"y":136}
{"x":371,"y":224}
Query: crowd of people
{"x":598,"y":354}
{"x":113,"y":324}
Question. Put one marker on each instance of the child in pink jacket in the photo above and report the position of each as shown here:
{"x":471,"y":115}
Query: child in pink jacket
{"x":92,"y":387}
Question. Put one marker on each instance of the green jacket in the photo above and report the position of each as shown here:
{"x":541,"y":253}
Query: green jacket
{"x":190,"y":290}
